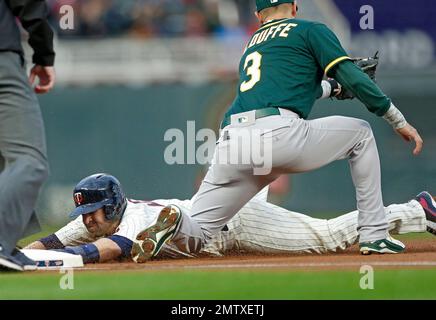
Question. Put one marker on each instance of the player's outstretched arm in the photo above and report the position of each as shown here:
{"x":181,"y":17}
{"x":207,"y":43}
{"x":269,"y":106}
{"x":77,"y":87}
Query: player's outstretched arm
{"x":47,"y":243}
{"x":102,"y":250}
{"x":72,"y":234}
{"x":36,"y":245}
{"x":355,"y":80}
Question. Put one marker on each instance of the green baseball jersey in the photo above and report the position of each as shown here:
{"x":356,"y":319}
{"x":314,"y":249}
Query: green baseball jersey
{"x":283,"y":66}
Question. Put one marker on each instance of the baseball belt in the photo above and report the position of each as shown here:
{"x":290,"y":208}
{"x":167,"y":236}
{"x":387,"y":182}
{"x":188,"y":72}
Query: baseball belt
{"x":260,"y":113}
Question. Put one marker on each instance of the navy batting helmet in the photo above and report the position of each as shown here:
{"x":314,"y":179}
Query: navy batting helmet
{"x":99,"y":191}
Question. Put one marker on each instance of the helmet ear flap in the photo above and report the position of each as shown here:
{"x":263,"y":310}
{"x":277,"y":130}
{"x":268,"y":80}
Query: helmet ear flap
{"x":116,"y":191}
{"x":109,"y":211}
{"x":117,"y":207}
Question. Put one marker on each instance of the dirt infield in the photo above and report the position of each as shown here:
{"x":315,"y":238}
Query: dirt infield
{"x":420,"y":254}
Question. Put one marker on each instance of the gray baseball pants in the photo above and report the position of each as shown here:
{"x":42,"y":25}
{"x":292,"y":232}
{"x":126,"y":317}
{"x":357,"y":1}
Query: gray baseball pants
{"x":23,"y":160}
{"x":295,"y":145}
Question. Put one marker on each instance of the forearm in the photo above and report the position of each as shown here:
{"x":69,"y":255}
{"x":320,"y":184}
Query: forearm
{"x":108,"y":250}
{"x":358,"y":84}
{"x":395,"y":118}
{"x":47,"y":243}
{"x":36,"y":245}
{"x":102,"y":250}
{"x":33,"y":17}
{"x":353,"y":79}
{"x":89,"y":252}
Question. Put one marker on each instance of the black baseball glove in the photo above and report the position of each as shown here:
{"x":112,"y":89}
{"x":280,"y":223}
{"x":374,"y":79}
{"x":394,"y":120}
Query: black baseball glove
{"x":368,"y":65}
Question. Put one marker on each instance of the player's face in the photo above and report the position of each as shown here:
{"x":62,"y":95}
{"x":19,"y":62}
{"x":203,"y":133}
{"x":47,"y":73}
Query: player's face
{"x":97,"y":224}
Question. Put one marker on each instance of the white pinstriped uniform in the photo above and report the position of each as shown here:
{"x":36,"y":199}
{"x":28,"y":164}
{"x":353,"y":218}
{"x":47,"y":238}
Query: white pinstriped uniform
{"x":258,"y":227}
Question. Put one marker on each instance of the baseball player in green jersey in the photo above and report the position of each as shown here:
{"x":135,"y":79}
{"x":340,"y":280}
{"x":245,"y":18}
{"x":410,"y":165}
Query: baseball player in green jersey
{"x":281,"y":72}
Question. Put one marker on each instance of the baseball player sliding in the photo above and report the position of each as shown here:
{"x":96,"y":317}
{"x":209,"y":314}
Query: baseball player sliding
{"x":281,"y":74}
{"x":106,"y":224}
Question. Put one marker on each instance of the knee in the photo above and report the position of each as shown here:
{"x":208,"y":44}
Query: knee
{"x":42,"y":169}
{"x":36,"y":167}
{"x":365,"y":128}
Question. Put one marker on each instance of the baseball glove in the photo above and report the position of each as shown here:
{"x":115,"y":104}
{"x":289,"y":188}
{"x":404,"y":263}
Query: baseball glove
{"x":369,"y":66}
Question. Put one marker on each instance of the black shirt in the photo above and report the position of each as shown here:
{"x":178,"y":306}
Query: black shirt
{"x":33,"y":17}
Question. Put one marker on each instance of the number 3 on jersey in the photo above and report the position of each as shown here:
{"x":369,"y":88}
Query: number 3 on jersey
{"x":252,"y":71}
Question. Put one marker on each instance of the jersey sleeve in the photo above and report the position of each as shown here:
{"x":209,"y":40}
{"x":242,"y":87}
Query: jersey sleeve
{"x":33,"y":16}
{"x":74,"y":233}
{"x":352,"y":78}
{"x":325,"y":47}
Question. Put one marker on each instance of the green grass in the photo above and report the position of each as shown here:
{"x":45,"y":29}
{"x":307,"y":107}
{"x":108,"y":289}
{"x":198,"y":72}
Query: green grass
{"x":388,"y":284}
{"x":411,"y":236}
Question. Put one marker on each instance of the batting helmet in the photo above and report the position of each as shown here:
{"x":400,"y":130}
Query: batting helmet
{"x":99,"y":191}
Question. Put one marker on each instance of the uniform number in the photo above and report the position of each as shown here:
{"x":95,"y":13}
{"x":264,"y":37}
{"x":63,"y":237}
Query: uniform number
{"x":252,"y":71}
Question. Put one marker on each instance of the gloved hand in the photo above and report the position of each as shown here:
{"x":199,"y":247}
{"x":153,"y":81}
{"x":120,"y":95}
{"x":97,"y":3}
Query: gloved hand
{"x":368,"y":65}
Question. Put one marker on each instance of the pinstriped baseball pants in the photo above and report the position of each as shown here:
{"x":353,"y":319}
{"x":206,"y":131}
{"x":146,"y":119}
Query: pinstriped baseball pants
{"x":262,"y":227}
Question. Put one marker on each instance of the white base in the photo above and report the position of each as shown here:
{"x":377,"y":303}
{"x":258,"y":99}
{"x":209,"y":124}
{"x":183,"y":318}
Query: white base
{"x":49,"y":259}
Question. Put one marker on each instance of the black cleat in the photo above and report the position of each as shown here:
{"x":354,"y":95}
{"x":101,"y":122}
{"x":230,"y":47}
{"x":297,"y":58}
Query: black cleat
{"x":9,"y":262}
{"x":28,"y":264}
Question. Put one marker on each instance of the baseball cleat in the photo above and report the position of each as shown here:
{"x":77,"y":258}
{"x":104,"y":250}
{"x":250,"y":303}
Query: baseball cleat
{"x":388,"y":245}
{"x":27,"y":263}
{"x":9,"y":262}
{"x":429,"y":205}
{"x":149,"y":242}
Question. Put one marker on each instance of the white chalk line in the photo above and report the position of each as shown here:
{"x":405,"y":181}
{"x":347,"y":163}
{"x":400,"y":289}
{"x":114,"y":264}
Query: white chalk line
{"x":276,"y":265}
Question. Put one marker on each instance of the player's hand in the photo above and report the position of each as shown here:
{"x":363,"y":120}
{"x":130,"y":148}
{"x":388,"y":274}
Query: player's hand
{"x":409,"y":133}
{"x":46,"y":76}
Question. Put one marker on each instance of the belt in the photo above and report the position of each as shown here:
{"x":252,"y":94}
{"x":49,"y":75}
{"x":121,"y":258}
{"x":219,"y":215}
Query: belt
{"x":260,"y":113}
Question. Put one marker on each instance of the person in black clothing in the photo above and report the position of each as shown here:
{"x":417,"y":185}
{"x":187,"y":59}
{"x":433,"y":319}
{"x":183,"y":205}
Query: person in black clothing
{"x":23,"y":159}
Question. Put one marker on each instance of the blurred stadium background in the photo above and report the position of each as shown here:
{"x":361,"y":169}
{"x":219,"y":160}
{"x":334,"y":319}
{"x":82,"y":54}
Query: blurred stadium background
{"x":132,"y":69}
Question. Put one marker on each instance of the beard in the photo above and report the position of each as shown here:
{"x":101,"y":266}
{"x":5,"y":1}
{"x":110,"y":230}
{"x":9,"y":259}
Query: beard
{"x":95,"y":230}
{"x":100,"y":231}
